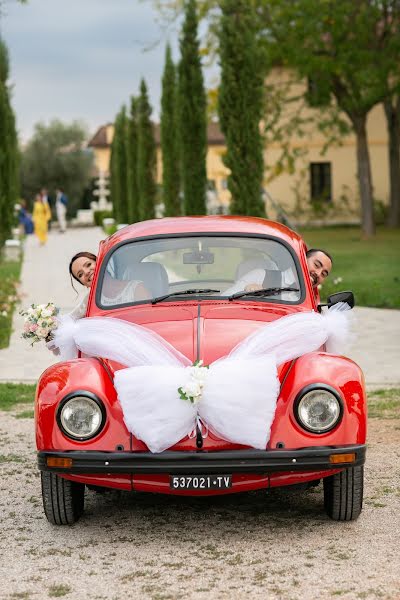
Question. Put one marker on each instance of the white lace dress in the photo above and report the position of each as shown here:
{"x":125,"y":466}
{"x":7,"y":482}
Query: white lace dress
{"x":126,"y":295}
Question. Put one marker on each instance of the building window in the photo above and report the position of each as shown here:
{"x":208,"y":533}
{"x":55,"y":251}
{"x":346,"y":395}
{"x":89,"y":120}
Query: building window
{"x":211,"y":185}
{"x":224,"y":184}
{"x":321,"y":181}
{"x":318,"y":91}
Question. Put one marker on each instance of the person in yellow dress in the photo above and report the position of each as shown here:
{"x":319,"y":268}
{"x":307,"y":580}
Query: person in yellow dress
{"x":41,"y":216}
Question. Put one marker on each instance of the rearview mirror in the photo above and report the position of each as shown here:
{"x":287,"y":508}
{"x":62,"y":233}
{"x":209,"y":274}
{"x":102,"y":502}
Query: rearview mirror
{"x":198,"y":257}
{"x":333,"y":299}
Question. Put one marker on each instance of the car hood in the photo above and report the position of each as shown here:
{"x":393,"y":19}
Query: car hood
{"x":204,"y":331}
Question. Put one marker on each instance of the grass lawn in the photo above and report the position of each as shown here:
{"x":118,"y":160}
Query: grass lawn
{"x":16,"y":393}
{"x":9,"y":277}
{"x":370,"y":268}
{"x":384,"y":404}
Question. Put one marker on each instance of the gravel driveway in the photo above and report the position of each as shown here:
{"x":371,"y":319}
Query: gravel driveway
{"x":276,"y":545}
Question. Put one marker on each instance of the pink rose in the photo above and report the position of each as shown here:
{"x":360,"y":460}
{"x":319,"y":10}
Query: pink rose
{"x":27,"y":327}
{"x":33,"y":327}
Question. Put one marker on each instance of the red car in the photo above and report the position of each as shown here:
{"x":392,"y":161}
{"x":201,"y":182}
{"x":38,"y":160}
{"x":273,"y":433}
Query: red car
{"x":195,"y":271}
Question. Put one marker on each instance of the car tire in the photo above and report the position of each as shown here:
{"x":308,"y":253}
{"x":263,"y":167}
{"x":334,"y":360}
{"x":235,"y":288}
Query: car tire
{"x":343,"y":494}
{"x":63,"y":500}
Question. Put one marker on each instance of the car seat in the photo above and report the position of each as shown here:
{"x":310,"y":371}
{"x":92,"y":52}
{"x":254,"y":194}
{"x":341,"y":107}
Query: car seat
{"x":273,"y":277}
{"x":153,"y":275}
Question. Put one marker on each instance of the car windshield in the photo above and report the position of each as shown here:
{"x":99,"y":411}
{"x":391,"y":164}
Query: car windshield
{"x":208,"y":266}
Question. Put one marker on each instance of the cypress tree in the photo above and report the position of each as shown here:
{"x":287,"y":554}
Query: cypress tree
{"x":119,"y":193}
{"x":8,"y":151}
{"x":114,"y":188}
{"x":240,"y":106}
{"x":132,"y":169}
{"x":169,"y":138}
{"x":192,"y":116}
{"x":146,"y":157}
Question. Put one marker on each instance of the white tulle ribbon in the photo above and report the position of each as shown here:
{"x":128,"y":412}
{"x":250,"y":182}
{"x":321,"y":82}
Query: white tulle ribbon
{"x":239,"y":391}
{"x":200,"y":426}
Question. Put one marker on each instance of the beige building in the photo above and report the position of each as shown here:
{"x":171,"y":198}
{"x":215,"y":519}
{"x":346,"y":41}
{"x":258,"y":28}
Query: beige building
{"x":320,"y":185}
{"x":323,"y":183}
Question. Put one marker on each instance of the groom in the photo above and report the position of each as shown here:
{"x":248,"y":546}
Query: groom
{"x":319,"y":264}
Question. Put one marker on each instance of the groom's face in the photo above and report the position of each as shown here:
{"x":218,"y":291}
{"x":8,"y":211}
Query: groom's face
{"x":319,"y":265}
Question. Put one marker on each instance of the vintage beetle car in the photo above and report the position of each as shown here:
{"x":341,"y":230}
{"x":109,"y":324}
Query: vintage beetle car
{"x":81,"y":436}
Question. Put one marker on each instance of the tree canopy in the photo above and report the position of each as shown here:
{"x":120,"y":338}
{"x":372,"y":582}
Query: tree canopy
{"x":350,"y":50}
{"x":170,"y":138}
{"x":132,"y":151}
{"x":8,"y":151}
{"x":192,"y":116}
{"x":241,"y":106}
{"x":119,"y":168}
{"x":146,"y":157}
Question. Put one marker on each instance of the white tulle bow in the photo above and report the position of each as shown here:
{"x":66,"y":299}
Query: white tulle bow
{"x":240,"y":390}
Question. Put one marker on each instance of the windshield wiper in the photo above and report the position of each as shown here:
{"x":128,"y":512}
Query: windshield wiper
{"x":263,"y":292}
{"x":183,"y":293}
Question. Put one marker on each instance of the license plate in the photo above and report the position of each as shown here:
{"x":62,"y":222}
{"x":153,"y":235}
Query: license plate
{"x":200,"y":482}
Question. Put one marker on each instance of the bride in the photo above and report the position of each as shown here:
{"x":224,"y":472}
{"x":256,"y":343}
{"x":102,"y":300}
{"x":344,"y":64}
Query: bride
{"x":82,"y":267}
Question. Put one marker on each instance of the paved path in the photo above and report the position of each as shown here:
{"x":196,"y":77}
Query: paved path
{"x":45,"y":278}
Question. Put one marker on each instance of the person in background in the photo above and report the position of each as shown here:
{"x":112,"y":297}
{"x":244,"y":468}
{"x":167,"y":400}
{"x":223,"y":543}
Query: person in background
{"x":41,"y":217}
{"x":61,"y":209}
{"x":25,"y":219}
{"x":45,"y":197}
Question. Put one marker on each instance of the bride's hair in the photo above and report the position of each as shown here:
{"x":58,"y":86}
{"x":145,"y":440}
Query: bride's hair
{"x":73,"y":259}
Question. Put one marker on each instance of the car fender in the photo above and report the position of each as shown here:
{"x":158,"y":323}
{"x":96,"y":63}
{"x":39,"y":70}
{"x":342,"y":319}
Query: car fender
{"x":61,"y":379}
{"x":337,"y":372}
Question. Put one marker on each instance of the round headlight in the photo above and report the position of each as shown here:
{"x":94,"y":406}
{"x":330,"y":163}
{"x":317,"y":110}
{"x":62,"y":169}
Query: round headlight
{"x":318,"y":410}
{"x":81,"y":417}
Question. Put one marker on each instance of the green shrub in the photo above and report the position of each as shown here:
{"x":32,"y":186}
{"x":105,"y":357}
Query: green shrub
{"x":381,"y":212}
{"x":110,"y":229}
{"x":99,"y":215}
{"x":9,"y":278}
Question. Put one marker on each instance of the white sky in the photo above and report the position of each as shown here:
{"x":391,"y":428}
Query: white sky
{"x":82,"y":59}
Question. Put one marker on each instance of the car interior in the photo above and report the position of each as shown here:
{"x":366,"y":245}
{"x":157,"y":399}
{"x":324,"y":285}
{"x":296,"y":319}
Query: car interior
{"x":171,"y":265}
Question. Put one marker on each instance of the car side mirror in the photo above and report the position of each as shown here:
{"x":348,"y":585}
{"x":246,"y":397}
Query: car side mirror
{"x":333,"y":299}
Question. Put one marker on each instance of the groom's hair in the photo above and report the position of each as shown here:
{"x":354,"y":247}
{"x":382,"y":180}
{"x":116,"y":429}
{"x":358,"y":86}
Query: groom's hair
{"x":73,"y":259}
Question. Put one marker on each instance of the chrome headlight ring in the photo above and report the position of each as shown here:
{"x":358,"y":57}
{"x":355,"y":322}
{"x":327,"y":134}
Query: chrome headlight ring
{"x":81,"y":415}
{"x":318,"y":408}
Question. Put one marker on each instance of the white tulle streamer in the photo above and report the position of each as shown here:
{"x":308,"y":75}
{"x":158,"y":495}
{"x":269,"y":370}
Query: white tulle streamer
{"x":240,"y":391}
{"x":115,"y":339}
{"x":295,"y":335}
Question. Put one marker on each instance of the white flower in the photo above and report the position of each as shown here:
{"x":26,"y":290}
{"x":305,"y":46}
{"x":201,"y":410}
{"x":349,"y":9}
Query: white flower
{"x":193,"y":389}
{"x":41,"y":332}
{"x":337,"y":280}
{"x":46,"y":313}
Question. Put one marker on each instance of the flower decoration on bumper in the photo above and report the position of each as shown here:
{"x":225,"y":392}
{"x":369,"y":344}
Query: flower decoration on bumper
{"x":40,"y":321}
{"x":192,"y":391}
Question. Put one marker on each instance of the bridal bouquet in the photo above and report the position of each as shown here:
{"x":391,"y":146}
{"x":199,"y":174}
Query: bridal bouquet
{"x":40,"y":321}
